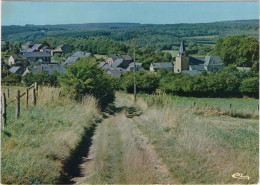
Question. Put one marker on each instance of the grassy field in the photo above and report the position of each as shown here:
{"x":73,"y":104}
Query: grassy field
{"x":202,"y":148}
{"x":172,"y":52}
{"x":240,"y":106}
{"x":203,"y":37}
{"x":193,"y":148}
{"x":36,"y":145}
{"x":159,"y":139}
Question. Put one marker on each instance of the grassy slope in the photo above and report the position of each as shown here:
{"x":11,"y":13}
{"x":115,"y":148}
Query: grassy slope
{"x":35,"y":145}
{"x":200,"y":148}
{"x":239,"y":105}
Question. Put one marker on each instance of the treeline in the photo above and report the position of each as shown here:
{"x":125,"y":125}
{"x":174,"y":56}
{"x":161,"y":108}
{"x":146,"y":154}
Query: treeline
{"x":156,"y":37}
{"x":228,"y":83}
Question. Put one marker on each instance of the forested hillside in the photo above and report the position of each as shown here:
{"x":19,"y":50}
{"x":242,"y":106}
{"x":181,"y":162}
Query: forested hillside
{"x":160,"y":37}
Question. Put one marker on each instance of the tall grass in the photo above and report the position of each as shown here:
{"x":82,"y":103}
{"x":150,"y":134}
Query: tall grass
{"x":241,"y":107}
{"x":35,"y":145}
{"x":200,"y":148}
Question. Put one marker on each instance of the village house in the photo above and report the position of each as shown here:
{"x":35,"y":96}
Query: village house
{"x":27,"y":45}
{"x":77,"y":55}
{"x":16,"y":70}
{"x":42,"y":57}
{"x":30,"y":46}
{"x":18,"y":60}
{"x":115,"y":72}
{"x":123,"y":60}
{"x":47,"y":68}
{"x":138,"y":67}
{"x":184,"y":63}
{"x":63,"y":48}
{"x":46,"y":49}
{"x":112,"y":71}
{"x":161,"y":65}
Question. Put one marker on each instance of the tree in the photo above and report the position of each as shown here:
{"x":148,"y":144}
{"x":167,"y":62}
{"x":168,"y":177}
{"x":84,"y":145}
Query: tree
{"x":145,"y":82}
{"x":250,"y":87}
{"x":167,"y":57}
{"x":85,"y":77}
{"x":239,"y":50}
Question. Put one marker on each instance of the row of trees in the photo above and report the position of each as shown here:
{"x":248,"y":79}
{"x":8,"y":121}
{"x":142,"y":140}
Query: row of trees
{"x":228,"y":83}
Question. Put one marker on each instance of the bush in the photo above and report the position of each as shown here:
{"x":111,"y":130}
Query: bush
{"x":250,"y":87}
{"x":12,"y":79}
{"x":145,"y":82}
{"x":41,"y":78}
{"x":226,"y":83}
{"x":85,"y":77}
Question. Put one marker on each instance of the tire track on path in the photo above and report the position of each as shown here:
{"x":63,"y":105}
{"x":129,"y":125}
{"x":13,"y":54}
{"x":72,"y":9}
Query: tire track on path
{"x":122,"y":154}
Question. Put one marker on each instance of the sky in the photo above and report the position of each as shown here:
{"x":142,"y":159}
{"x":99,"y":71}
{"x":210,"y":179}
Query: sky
{"x":41,"y":13}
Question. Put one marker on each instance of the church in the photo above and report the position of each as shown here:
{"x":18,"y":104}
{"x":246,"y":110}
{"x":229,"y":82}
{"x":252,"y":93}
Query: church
{"x":195,"y":65}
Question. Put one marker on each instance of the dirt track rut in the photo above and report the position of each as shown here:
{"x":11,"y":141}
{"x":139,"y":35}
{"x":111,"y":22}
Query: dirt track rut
{"x":122,"y":154}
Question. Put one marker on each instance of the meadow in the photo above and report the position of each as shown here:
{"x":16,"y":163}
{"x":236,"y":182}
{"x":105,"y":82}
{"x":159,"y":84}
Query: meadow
{"x":172,"y":141}
{"x":158,"y":139}
{"x":37,"y":146}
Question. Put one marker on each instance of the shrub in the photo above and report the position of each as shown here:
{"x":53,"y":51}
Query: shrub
{"x":250,"y":87}
{"x":12,"y":79}
{"x":41,"y":78}
{"x":85,"y":77}
{"x":145,"y":82}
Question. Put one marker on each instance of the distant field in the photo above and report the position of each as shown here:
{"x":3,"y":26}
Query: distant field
{"x":172,"y":52}
{"x":203,"y":37}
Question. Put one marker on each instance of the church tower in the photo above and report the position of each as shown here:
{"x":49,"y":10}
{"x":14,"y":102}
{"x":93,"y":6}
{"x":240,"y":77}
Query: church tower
{"x":182,"y":60}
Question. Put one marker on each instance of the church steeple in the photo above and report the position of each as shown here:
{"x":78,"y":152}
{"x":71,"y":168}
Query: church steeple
{"x":182,"y":51}
{"x":182,"y":61}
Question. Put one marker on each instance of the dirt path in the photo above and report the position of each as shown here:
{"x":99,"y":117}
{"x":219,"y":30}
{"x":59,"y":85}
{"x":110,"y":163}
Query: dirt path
{"x":121,"y":154}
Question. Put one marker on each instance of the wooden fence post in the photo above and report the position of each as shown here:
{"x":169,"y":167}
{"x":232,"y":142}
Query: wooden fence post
{"x":27,"y":97}
{"x":7,"y":92}
{"x":194,"y":104}
{"x":230,"y":109}
{"x":34,"y":96}
{"x":36,"y":88}
{"x":18,"y":104}
{"x":4,"y":109}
